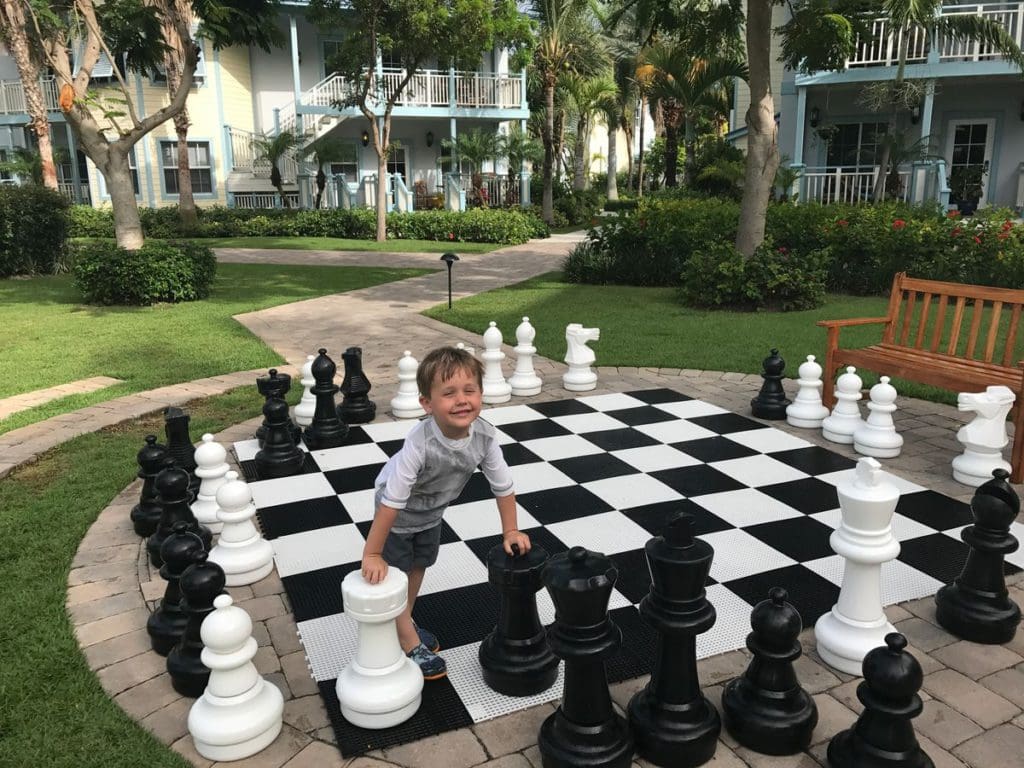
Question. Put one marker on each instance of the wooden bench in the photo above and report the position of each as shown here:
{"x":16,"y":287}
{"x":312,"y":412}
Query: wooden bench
{"x":923,"y":340}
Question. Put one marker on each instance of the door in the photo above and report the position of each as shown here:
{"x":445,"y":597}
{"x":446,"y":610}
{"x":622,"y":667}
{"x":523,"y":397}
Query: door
{"x":396,"y":163}
{"x":968,"y":161}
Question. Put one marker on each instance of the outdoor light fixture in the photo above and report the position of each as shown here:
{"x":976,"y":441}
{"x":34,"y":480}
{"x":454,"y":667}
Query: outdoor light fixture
{"x":915,"y":114}
{"x":815,"y":117}
{"x":366,"y":138}
{"x":449,"y":259}
{"x":430,"y":138}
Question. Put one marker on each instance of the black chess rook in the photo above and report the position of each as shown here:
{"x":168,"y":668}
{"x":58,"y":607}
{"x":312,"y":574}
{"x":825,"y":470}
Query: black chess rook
{"x":275,"y":384}
{"x":167,"y":623}
{"x":771,"y":401}
{"x":180,"y":447}
{"x":280,"y":456}
{"x":200,"y":584}
{"x":326,"y":430}
{"x":356,"y":407}
{"x":145,"y":515}
{"x":174,"y":498}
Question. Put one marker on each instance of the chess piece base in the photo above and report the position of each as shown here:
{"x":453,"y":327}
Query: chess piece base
{"x":980,"y":617}
{"x":677,"y":736}
{"x":360,"y":414}
{"x":974,"y":468}
{"x":768,"y":410}
{"x":843,"y":643}
{"x":497,"y":397}
{"x":809,"y":421}
{"x":526,"y":390}
{"x":843,"y":438}
{"x":242,"y":578}
{"x":780,"y":724}
{"x":406,"y":413}
{"x":847,"y":751}
{"x":380,"y":698}
{"x":579,"y":382}
{"x":876,"y":451}
{"x":564,"y":744}
{"x":223,"y":732}
{"x":518,"y":667}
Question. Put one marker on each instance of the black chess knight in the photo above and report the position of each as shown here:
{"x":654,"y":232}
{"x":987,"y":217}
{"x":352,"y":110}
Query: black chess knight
{"x":356,"y":407}
{"x":771,"y":401}
{"x":180,"y":447}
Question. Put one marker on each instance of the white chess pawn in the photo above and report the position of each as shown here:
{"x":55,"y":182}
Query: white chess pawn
{"x":496,"y":389}
{"x":245,"y":556}
{"x":524,"y":380}
{"x":985,"y":436}
{"x":877,"y":435}
{"x":845,"y":418}
{"x":806,"y":410}
{"x":464,"y":348}
{"x":579,"y":357}
{"x":406,"y":404}
{"x":239,"y":713}
{"x":857,"y":623}
{"x":381,"y":687}
{"x":304,"y":409}
{"x":211,"y":468}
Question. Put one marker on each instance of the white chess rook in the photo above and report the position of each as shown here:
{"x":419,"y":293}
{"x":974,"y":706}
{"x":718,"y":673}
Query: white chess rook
{"x":211,"y":469}
{"x":381,"y":687}
{"x":239,"y":713}
{"x":877,"y":436}
{"x":579,"y":357}
{"x":305,"y":408}
{"x":406,"y":404}
{"x":857,"y":622}
{"x":496,"y":389}
{"x":806,"y":410}
{"x":524,"y":380}
{"x":985,"y":436}
{"x":245,"y":556}
{"x":840,"y":426}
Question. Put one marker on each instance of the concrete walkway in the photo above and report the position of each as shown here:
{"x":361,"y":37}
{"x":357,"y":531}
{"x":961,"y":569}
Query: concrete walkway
{"x":974,"y":694}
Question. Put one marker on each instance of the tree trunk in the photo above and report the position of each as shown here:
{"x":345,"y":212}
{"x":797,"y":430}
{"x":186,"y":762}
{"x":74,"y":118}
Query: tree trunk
{"x":671,"y":147}
{"x":611,"y":188}
{"x":382,"y":195}
{"x":13,"y":31}
{"x":629,"y":155}
{"x":579,"y":177}
{"x":321,"y":182}
{"x":640,"y":159}
{"x":547,"y":198}
{"x":762,"y":136}
{"x":118,"y":176}
{"x":878,"y":193}
{"x":689,"y":147}
{"x":186,"y":202}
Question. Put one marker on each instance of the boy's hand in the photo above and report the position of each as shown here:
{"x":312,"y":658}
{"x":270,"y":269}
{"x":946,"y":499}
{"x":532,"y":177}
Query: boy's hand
{"x":518,"y":538}
{"x":374,"y":568}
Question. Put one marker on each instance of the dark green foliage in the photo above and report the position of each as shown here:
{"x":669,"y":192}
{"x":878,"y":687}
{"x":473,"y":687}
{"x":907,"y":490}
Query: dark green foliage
{"x":171,"y":272}
{"x":579,"y":206}
{"x":622,"y":204}
{"x":34,"y":227}
{"x":719,"y":168}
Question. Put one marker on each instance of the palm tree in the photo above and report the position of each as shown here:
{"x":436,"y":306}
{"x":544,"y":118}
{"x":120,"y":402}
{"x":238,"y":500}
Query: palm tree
{"x":273,"y":149}
{"x":475,"y":147}
{"x":588,"y":98}
{"x":518,"y":147}
{"x":324,"y":150}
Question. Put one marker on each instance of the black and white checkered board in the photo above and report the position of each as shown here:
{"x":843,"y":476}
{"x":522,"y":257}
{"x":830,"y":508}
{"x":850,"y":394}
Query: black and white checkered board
{"x":603,"y":472}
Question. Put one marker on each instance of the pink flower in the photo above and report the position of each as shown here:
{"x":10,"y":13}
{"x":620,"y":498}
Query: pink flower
{"x":783,"y":249}
{"x":843,"y":223}
{"x":977,"y":240}
{"x":956,"y":232}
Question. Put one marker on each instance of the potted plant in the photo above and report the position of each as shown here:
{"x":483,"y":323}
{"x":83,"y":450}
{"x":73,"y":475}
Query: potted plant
{"x":965,"y":186}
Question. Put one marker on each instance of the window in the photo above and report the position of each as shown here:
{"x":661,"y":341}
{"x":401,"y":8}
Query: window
{"x":134,"y":166}
{"x":331,"y":50}
{"x":396,"y":162}
{"x":347,"y":163}
{"x":855,"y":144}
{"x":198,"y":161}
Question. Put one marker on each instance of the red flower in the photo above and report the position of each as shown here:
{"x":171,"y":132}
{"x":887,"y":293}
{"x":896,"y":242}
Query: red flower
{"x":451,"y":235}
{"x":977,"y":240}
{"x":843,"y":223}
{"x":783,"y":249}
{"x":1007,"y":225}
{"x":956,"y":232}
{"x":953,"y":214}
{"x":1002,"y":235}
{"x":899,"y":224}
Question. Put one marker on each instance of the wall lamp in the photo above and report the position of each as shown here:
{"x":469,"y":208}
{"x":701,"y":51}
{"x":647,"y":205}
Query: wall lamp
{"x":915,"y":114}
{"x":365,"y":138}
{"x":815,"y":117}
{"x":430,"y":138}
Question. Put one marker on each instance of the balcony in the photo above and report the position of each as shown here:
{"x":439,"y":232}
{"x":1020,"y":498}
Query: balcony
{"x":882,"y":48}
{"x":919,"y":182}
{"x":12,"y":96}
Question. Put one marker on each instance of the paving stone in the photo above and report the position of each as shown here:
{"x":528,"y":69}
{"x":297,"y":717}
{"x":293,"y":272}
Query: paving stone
{"x":369,"y":762}
{"x":895,"y":613}
{"x":722,"y":667}
{"x":533,"y":756}
{"x":131,"y":672}
{"x":147,"y":697}
{"x":278,"y":679}
{"x":169,"y":723}
{"x":998,"y":747}
{"x":975,"y":660}
{"x":514,"y":732}
{"x":97,"y":539}
{"x":187,"y":749}
{"x":84,"y":613}
{"x":240,"y":594}
{"x":97,"y":590}
{"x":924,"y":634}
{"x":296,"y":672}
{"x":117,"y":649}
{"x":259,"y":632}
{"x":944,"y":725}
{"x":1008,"y":683}
{"x":263,"y":608}
{"x":970,"y":698}
{"x":833,"y":717}
{"x":454,"y":749}
{"x":266,"y":660}
{"x":285,"y":747}
{"x":112,"y":626}
{"x":514,"y":760}
{"x":923,"y":608}
{"x":317,"y":755}
{"x":283,"y":634}
{"x":814,"y":677}
{"x":941,"y":757}
{"x":622,"y":692}
{"x":306,"y":713}
{"x":757,"y":760}
{"x":104,"y":572}
{"x":847,"y":695}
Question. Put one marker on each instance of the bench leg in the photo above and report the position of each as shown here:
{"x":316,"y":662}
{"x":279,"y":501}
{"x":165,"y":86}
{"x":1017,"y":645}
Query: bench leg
{"x":828,"y":397}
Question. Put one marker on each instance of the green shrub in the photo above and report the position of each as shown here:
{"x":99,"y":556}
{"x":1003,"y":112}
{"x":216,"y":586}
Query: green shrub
{"x":34,"y":226}
{"x":588,"y":263}
{"x":159,"y":271}
{"x":558,"y":218}
{"x":579,"y":206}
{"x":622,"y":204}
{"x":87,"y":221}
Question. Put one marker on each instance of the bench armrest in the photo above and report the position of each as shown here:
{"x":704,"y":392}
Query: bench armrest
{"x":852,"y":321}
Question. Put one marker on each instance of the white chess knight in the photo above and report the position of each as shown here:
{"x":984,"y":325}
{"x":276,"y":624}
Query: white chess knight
{"x":243,"y":554}
{"x":211,"y":468}
{"x":579,"y":357}
{"x":857,"y":623}
{"x":381,"y":687}
{"x":985,"y":436}
{"x":807,"y":411}
{"x":845,"y":418}
{"x":524,"y":380}
{"x":305,"y":408}
{"x":496,"y":389}
{"x":239,"y":713}
{"x":877,"y":436}
{"x":406,"y":403}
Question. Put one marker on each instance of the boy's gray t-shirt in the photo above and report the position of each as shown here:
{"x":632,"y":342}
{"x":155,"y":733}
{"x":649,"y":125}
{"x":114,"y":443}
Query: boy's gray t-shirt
{"x":430,"y":471}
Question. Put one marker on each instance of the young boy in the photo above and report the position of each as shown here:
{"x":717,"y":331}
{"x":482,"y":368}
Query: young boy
{"x":419,"y":482}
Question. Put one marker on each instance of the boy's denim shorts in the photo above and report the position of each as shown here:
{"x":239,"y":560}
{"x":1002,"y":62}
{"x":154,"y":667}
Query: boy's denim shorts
{"x":406,"y":551}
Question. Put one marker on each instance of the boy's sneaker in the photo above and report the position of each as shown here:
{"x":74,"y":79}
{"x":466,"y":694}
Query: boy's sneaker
{"x":429,"y":639}
{"x":432,"y":665}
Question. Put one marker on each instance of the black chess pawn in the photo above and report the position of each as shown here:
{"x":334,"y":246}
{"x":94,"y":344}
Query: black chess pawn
{"x":584,"y":732}
{"x":174,"y":498}
{"x":146,"y":514}
{"x":275,"y":384}
{"x":200,"y":584}
{"x":327,"y":430}
{"x":179,"y":445}
{"x":673,"y":723}
{"x":280,"y":456}
{"x":771,"y":401}
{"x":167,"y":623}
{"x":883,"y":736}
{"x":976,"y":606}
{"x":356,"y":407}
{"x":515,"y":657}
{"x":765,"y":709}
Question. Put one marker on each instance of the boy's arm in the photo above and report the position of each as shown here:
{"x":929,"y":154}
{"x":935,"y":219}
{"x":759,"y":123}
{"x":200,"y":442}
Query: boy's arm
{"x":510,"y":533}
{"x":374,"y":567}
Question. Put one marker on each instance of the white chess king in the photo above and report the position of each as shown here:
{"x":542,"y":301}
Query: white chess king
{"x":985,"y":436}
{"x":579,"y":357}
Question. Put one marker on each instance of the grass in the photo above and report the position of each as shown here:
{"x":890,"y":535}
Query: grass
{"x":53,"y":711}
{"x":50,"y":338}
{"x":341,"y":244}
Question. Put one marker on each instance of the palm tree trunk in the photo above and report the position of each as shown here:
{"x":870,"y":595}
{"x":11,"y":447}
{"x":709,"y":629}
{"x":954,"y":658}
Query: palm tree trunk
{"x":382,"y":195}
{"x":690,"y":146}
{"x":173,"y":58}
{"x":878,"y":193}
{"x":611,"y":188}
{"x":671,"y":152}
{"x":629,"y":155}
{"x":579,"y":180}
{"x":547,"y":199}
{"x":640,"y":160}
{"x":321,"y":182}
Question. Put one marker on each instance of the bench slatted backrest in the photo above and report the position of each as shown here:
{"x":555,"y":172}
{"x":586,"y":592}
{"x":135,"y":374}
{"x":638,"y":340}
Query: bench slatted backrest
{"x":918,"y":311}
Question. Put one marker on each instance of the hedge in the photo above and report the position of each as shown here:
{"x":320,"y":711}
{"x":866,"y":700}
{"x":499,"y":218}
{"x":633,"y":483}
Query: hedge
{"x":34,"y":225}
{"x":158,"y":271}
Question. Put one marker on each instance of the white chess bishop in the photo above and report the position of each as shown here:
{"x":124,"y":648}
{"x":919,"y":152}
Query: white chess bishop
{"x":840,"y":426}
{"x":496,"y":389}
{"x":877,"y":436}
{"x":305,"y":408}
{"x":406,"y":403}
{"x":985,"y":436}
{"x":807,"y":411}
{"x":857,"y":622}
{"x":239,"y":713}
{"x":244,"y":555}
{"x":381,"y":687}
{"x":579,"y":357}
{"x":211,"y":468}
{"x":524,"y":380}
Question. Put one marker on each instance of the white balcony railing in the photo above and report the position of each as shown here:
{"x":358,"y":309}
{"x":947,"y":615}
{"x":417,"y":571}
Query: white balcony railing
{"x":12,"y":96}
{"x":847,"y":184}
{"x":882,"y":47}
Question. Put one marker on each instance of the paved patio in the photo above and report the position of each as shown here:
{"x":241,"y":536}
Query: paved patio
{"x":974,"y":694}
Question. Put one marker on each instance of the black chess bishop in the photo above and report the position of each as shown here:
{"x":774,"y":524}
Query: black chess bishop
{"x":327,"y":430}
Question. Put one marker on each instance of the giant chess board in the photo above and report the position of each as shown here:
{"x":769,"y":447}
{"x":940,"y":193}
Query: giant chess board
{"x":603,"y":472}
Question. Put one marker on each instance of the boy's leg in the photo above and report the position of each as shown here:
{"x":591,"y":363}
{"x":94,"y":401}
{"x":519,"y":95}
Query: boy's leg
{"x":407,"y":635}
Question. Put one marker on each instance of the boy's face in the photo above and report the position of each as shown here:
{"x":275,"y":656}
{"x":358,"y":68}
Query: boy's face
{"x":454,"y":403}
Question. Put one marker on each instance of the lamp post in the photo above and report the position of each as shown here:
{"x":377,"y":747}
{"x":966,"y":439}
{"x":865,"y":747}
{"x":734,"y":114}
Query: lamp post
{"x":449,"y":259}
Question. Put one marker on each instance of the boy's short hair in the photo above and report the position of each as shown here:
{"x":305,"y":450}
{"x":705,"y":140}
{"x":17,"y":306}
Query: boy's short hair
{"x":442,"y":363}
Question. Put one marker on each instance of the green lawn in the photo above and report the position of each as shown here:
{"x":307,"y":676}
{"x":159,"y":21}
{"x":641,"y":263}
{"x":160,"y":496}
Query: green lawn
{"x":48,"y":337}
{"x":342,"y":244}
